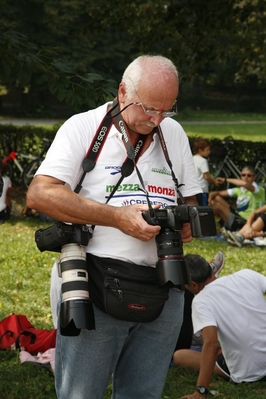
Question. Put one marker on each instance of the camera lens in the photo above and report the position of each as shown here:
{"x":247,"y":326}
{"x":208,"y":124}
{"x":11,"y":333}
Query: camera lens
{"x":76,"y":310}
{"x":171,"y":267}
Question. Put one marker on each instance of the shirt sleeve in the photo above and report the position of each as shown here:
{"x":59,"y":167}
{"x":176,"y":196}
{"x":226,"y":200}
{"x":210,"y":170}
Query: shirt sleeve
{"x":202,"y":314}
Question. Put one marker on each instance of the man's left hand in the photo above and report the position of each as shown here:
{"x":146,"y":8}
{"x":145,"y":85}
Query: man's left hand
{"x":186,"y":233}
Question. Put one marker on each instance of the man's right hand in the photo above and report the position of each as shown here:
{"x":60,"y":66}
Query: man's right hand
{"x":131,"y":222}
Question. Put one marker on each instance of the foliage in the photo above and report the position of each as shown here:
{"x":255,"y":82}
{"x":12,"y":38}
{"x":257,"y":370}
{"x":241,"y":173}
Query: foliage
{"x":21,"y":60}
{"x":248,"y":138}
{"x":79,"y":49}
{"x":218,"y":33}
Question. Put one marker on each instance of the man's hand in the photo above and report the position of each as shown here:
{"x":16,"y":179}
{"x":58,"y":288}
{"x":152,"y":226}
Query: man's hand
{"x":212,"y":195}
{"x":220,"y":180}
{"x":186,"y":233}
{"x":130,"y":221}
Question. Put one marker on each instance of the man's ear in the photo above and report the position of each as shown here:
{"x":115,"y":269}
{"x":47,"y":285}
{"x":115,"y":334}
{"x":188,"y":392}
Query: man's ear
{"x":192,"y":287}
{"x":122,"y":92}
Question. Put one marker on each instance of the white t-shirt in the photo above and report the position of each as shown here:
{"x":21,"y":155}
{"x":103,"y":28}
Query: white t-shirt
{"x":64,"y":161}
{"x":201,"y":167}
{"x":6,"y":186}
{"x":235,"y":304}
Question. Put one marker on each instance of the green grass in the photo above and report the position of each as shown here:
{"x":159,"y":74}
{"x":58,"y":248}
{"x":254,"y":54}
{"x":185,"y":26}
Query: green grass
{"x":218,"y":116}
{"x":247,"y":132}
{"x":215,"y":124}
{"x":25,"y":283}
{"x":25,"y":280}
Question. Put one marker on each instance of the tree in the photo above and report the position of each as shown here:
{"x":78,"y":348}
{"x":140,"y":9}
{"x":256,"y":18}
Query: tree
{"x":79,"y":48}
{"x":23,"y":63}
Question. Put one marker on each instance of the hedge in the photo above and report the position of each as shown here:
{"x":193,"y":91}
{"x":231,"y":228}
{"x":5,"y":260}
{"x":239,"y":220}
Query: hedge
{"x":29,"y":140}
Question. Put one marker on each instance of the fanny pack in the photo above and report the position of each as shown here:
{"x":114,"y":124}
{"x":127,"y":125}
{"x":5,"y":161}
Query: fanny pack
{"x":125,"y":290}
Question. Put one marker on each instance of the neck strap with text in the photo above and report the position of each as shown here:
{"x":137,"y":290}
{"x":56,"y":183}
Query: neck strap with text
{"x":133,"y":151}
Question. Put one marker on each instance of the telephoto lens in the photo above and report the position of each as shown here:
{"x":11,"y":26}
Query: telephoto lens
{"x":171,"y":266}
{"x":76,"y":311}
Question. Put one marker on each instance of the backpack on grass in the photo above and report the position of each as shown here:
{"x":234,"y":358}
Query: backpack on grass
{"x":17,"y":333}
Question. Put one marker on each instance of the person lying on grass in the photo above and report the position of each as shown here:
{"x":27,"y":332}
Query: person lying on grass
{"x":230,"y":310}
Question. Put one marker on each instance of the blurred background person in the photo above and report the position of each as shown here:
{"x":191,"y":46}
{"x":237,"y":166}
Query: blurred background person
{"x":5,"y":198}
{"x":201,"y":150}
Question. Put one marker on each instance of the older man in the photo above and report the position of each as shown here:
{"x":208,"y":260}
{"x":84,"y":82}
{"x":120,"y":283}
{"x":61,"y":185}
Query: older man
{"x":138,"y":118}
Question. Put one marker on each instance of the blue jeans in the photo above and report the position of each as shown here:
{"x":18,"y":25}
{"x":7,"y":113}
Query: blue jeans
{"x":135,"y":355}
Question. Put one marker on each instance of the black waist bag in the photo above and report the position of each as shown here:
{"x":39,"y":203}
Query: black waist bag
{"x":125,"y":290}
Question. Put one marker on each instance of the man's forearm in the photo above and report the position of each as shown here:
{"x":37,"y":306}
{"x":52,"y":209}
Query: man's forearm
{"x":207,"y":363}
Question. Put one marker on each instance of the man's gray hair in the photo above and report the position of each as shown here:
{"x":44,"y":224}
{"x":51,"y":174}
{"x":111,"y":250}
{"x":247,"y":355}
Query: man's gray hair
{"x":250,"y":168}
{"x":198,"y":267}
{"x":136,"y":69}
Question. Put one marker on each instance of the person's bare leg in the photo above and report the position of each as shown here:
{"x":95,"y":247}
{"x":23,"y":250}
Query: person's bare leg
{"x":256,"y":229}
{"x":220,"y":207}
{"x":191,"y":359}
{"x":187,"y":358}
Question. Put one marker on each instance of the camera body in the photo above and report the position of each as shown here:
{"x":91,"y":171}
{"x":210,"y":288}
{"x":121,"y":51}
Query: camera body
{"x":54,"y":237}
{"x":201,"y":218}
{"x":171,"y":267}
{"x":76,"y":311}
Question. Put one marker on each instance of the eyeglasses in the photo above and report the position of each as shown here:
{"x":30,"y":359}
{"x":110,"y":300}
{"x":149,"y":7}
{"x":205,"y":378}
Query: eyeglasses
{"x":152,"y":112}
{"x":172,"y":112}
{"x":246,"y":175}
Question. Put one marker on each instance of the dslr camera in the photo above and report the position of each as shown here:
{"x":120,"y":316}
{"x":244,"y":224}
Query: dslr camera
{"x":76,"y":311}
{"x":171,"y":267}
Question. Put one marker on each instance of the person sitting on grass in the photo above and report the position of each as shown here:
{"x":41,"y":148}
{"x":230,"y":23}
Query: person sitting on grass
{"x":230,"y":310}
{"x":249,"y":197}
{"x":254,"y":227}
{"x":186,"y":338}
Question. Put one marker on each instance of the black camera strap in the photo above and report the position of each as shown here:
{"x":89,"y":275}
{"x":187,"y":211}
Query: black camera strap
{"x":133,"y":151}
{"x":94,"y":151}
{"x":168,"y":160}
{"x":133,"y":156}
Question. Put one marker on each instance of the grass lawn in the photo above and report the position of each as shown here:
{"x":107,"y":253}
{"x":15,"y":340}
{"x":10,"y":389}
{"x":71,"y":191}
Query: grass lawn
{"x":219,"y":116}
{"x":25,"y":282}
{"x":246,"y":132}
{"x":213,"y":124}
{"x":25,"y":279}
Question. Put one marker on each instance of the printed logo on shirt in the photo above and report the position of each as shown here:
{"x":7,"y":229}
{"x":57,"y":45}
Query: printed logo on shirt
{"x":167,"y":191}
{"x":123,"y":188}
{"x":242,"y":203}
{"x":143,"y":201}
{"x":163,"y":171}
{"x":161,"y":190}
{"x":117,"y":169}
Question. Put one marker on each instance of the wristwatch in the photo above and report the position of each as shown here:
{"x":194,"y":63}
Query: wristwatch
{"x":201,"y":389}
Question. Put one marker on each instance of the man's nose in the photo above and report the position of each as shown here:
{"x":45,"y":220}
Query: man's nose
{"x":156,"y":119}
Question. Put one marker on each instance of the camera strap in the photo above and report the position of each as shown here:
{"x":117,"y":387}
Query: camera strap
{"x":168,"y":160}
{"x":133,"y":151}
